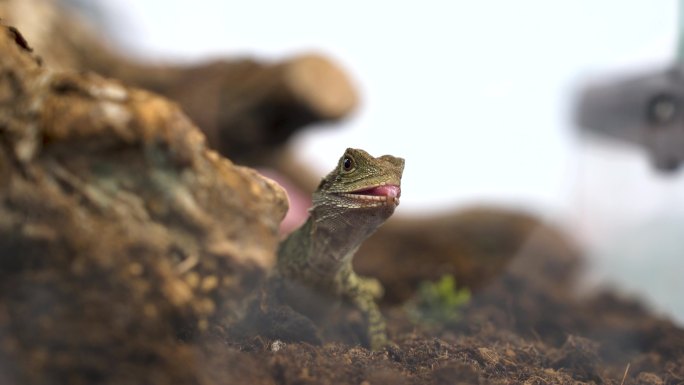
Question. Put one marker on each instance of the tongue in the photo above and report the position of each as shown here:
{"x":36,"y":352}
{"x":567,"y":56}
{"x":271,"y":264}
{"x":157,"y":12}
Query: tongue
{"x":387,"y":190}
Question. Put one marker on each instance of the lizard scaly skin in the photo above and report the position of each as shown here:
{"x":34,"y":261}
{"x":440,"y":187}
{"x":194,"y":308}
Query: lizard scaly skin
{"x":316,"y":260}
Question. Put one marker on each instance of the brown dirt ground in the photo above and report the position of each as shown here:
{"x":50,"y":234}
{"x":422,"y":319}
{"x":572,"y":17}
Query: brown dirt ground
{"x":519,"y":329}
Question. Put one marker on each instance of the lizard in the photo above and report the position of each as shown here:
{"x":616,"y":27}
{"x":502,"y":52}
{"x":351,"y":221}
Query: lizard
{"x":314,"y":263}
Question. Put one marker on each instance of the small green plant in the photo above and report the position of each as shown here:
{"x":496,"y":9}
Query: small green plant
{"x":438,"y":303}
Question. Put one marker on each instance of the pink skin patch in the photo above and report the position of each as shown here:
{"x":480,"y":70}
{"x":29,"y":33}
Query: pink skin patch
{"x":300,"y":201}
{"x":391,"y":191}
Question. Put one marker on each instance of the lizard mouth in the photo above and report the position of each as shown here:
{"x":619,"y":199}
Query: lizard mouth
{"x":385,"y":194}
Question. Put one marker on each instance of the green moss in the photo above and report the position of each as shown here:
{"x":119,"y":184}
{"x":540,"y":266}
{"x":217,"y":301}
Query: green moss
{"x":438,"y":303}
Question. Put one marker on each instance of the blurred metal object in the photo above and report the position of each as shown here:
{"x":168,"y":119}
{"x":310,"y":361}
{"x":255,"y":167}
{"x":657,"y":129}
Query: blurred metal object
{"x":643,"y":109}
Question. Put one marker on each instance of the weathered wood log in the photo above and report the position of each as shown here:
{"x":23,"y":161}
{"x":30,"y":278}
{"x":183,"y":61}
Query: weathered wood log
{"x":474,"y":245}
{"x":247,"y":108}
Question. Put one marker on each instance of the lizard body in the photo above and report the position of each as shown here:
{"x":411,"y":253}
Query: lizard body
{"x":350,"y":203}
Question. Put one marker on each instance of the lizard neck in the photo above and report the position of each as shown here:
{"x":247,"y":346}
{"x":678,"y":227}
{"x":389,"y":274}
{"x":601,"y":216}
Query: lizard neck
{"x":337,"y":232}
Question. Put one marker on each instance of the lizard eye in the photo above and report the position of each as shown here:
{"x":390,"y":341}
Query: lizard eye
{"x":347,"y":163}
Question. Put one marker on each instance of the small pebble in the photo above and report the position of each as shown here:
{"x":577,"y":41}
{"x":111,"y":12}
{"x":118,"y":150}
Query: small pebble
{"x":135,"y":268}
{"x":277,"y":345}
{"x":192,"y":279}
{"x":209,"y":283}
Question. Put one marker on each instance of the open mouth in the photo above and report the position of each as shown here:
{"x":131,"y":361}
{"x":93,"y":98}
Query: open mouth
{"x":385,"y":194}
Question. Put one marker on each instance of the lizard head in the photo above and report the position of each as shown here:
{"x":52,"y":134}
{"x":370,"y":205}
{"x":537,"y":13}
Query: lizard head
{"x":361,"y":181}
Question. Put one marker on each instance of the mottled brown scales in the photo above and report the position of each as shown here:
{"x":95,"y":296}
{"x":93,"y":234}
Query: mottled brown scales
{"x":315,"y":262}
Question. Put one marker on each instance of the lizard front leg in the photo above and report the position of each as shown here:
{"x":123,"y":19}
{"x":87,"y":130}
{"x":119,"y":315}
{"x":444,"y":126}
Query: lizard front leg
{"x":361,"y":292}
{"x":377,"y":333}
{"x":371,"y":286}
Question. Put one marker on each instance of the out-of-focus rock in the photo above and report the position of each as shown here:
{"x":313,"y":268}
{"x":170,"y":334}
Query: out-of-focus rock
{"x":247,"y":108}
{"x":474,"y":245}
{"x":122,"y":236}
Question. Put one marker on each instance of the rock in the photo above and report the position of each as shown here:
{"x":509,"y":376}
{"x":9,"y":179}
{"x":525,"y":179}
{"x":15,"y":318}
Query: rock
{"x":122,"y":237}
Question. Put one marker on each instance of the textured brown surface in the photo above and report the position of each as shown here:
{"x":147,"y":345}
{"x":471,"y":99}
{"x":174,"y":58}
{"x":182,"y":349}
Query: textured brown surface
{"x":121,"y":235}
{"x":249,"y":108}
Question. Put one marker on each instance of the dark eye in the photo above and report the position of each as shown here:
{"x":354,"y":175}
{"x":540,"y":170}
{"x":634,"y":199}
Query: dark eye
{"x":347,"y":163}
{"x":662,"y":109}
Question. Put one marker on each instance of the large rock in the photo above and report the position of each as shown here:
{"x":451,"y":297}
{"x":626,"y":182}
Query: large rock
{"x":122,"y":237}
